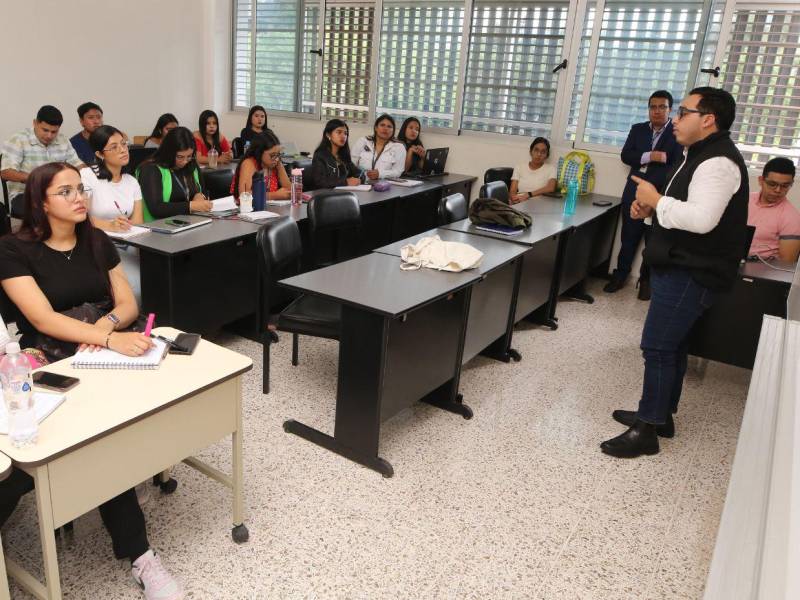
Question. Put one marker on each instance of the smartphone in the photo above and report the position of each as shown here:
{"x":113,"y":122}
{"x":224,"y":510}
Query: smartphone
{"x":177,"y":222}
{"x":54,"y":381}
{"x":601,"y":202}
{"x":188,"y":341}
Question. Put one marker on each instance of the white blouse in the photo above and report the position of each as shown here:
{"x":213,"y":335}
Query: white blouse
{"x":125,"y":193}
{"x":389,"y":163}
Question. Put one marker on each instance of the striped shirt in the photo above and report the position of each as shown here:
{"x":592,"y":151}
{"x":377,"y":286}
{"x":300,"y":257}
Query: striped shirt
{"x":24,"y":152}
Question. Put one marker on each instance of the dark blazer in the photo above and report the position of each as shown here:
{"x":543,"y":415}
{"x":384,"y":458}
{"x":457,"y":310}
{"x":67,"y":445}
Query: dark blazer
{"x":639,"y":141}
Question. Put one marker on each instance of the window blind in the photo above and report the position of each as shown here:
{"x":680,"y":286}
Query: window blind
{"x":419,"y":59}
{"x":242,"y":53}
{"x":514,"y":47}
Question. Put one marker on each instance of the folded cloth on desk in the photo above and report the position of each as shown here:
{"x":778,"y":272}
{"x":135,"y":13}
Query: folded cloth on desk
{"x":490,"y":210}
{"x":431,"y":252}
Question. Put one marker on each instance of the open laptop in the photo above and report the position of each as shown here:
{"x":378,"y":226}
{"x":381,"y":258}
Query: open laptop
{"x":177,"y":223}
{"x":433,"y":166}
{"x":289,"y":150}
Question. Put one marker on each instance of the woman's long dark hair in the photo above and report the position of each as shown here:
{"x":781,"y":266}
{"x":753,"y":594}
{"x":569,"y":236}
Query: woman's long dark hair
{"x":262,"y":143}
{"x":402,"y":135}
{"x":98,"y":141}
{"x":36,"y":226}
{"x":326,"y":144}
{"x":253,"y":110}
{"x":204,"y":117}
{"x":177,"y":140}
{"x":383,"y":117}
{"x":163,"y":121}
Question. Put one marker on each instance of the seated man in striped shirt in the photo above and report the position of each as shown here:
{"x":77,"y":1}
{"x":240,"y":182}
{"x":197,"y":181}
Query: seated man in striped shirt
{"x":777,"y":222}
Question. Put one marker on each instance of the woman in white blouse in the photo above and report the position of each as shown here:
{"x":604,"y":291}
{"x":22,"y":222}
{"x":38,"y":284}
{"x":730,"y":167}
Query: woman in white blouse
{"x":380,"y":155}
{"x":535,"y":177}
{"x":116,"y":196}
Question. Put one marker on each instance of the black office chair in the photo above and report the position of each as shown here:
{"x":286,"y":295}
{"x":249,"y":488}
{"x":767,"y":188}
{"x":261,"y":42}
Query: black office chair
{"x":499,"y":174}
{"x":237,"y":145}
{"x":331,"y":216}
{"x":217,"y":182}
{"x":452,"y":208}
{"x":495,"y":189}
{"x":5,"y":207}
{"x":280,"y":253}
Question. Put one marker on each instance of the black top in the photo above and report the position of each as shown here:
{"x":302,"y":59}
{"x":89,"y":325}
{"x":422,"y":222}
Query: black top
{"x":183,"y":190}
{"x":65,"y":282}
{"x":416,"y":160}
{"x":328,"y":172}
{"x":248,"y":135}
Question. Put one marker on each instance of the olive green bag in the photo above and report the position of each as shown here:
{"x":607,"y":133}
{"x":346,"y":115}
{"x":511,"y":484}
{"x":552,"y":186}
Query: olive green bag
{"x":485,"y":211}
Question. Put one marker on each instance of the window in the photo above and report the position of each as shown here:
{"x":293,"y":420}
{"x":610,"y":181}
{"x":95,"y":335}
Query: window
{"x":419,"y":60}
{"x":514,"y":46}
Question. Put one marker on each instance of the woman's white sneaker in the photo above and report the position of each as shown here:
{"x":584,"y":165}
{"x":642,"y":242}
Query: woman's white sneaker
{"x":154,"y":579}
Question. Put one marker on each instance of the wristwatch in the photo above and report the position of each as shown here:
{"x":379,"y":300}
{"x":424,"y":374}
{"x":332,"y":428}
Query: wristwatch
{"x":113,"y":318}
{"x":530,"y":195}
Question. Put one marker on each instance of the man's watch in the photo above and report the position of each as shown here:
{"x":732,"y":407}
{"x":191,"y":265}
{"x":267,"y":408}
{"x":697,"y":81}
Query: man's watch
{"x":530,"y":195}
{"x":113,"y":318}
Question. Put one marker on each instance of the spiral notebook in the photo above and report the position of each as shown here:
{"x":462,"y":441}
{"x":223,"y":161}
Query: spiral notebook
{"x":109,"y":359}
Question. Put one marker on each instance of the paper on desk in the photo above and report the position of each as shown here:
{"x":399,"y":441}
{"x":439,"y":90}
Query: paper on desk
{"x":223,"y":204}
{"x":364,"y":187}
{"x":132,"y":232}
{"x":258,"y":215}
{"x":44,"y":403}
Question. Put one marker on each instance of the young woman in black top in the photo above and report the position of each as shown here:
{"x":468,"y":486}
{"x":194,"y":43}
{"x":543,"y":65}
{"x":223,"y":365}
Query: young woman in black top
{"x":170,"y":180}
{"x":166,"y":123}
{"x":58,"y":261}
{"x":415,"y":151}
{"x":331,"y":165}
{"x":256,"y":124}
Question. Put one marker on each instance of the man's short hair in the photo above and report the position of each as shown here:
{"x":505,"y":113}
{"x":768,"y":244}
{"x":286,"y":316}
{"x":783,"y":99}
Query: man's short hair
{"x":717,"y":102}
{"x":781,"y":165}
{"x":86,"y":107}
{"x":661,"y":94}
{"x":50,"y":115}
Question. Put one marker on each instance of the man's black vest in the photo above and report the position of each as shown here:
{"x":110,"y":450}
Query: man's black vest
{"x":711,"y":258}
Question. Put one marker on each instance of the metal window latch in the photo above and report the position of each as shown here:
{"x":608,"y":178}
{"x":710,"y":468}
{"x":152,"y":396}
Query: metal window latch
{"x":561,"y":65}
{"x":317,"y":51}
{"x":714,"y":71}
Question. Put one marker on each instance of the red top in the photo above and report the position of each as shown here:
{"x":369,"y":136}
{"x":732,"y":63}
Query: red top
{"x":224,"y":146}
{"x":271,"y":185}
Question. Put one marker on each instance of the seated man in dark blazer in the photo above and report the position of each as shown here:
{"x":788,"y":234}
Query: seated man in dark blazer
{"x":650,"y":151}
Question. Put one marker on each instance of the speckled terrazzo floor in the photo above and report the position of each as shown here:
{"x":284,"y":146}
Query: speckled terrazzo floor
{"x":516,"y":503}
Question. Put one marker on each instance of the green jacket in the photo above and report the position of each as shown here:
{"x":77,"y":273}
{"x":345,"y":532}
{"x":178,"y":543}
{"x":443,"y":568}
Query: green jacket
{"x":166,"y":189}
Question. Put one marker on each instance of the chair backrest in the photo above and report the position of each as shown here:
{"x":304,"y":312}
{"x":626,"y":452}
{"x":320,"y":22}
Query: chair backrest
{"x":140,"y":140}
{"x":279,"y":253}
{"x":499,"y":174}
{"x":237,"y":145}
{"x":452,"y":208}
{"x":330,"y":214}
{"x":495,"y":189}
{"x":5,"y":186}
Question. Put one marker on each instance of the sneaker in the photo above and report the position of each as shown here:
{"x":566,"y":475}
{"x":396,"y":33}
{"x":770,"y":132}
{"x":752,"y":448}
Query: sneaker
{"x":154,"y":579}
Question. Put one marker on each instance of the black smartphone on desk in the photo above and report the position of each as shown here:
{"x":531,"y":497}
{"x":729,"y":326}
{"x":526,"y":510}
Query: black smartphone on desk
{"x":54,"y":381}
{"x":185,"y":344}
{"x":601,"y":202}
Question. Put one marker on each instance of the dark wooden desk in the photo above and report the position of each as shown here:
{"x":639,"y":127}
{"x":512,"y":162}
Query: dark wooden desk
{"x":728,"y":332}
{"x":402,"y":341}
{"x":493,"y":299}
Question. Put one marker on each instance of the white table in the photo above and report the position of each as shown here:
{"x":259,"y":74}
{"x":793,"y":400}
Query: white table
{"x":127,"y":425}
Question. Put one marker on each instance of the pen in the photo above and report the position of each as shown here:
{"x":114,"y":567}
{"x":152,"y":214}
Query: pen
{"x":122,"y":212}
{"x":150,"y":320}
{"x":172,"y":343}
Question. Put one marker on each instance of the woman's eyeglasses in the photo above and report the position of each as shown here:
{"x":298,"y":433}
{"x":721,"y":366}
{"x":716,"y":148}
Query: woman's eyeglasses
{"x":71,"y":194}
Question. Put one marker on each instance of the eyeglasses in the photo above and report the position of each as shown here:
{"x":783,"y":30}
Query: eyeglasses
{"x":658,"y":107}
{"x":71,"y":194}
{"x":274,"y":155}
{"x":121,"y":147}
{"x":683,"y":111}
{"x":774,"y":185}
{"x":184,"y":157}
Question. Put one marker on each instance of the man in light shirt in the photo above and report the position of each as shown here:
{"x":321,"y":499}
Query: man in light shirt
{"x":699,"y":229}
{"x":777,"y":222}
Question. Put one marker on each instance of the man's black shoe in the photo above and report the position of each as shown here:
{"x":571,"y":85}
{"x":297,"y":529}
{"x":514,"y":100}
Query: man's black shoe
{"x":644,"y":289}
{"x":614,"y":285}
{"x":640,"y":439}
{"x":628,"y":418}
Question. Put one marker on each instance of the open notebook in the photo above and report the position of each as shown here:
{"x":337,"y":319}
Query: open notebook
{"x":43,"y":404}
{"x":109,"y":359}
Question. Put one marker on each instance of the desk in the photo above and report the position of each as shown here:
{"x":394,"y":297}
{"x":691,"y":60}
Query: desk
{"x":493,"y":299}
{"x":728,"y":332}
{"x":5,"y":471}
{"x":402,"y":340}
{"x":158,"y":418}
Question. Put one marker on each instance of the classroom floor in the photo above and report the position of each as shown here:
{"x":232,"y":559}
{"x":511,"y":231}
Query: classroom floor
{"x":519,"y":502}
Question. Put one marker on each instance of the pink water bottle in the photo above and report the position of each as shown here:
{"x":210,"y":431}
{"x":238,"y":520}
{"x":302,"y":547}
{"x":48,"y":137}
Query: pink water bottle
{"x":297,"y":186}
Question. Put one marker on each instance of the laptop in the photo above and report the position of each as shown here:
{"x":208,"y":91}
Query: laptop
{"x":177,"y":223}
{"x":290,"y":150}
{"x":433,"y":166}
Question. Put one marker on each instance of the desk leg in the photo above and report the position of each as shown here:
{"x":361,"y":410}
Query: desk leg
{"x":501,"y":348}
{"x":4,"y":593}
{"x":240,"y":533}
{"x":44,"y":508}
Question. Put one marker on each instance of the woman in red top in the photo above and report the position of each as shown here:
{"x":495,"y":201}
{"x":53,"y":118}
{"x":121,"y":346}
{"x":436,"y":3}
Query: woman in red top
{"x":264,"y":154}
{"x":208,"y":136}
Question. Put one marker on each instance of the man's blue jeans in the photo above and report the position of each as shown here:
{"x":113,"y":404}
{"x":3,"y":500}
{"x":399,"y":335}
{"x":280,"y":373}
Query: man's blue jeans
{"x":676,"y":303}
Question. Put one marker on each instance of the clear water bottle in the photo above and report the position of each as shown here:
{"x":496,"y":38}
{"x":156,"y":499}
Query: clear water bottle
{"x":246,"y":146}
{"x":15,"y":376}
{"x":572,"y":197}
{"x":213,"y":155}
{"x":297,"y":186}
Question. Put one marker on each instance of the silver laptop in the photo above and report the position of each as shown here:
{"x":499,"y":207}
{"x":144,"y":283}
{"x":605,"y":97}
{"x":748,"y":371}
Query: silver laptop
{"x":177,"y":223}
{"x":290,"y":149}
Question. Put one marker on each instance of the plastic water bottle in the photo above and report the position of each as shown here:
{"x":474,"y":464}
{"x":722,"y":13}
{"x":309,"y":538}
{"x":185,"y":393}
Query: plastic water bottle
{"x":213,"y":155}
{"x":572,"y":197}
{"x":15,"y":376}
{"x":297,"y":186}
{"x":246,"y":146}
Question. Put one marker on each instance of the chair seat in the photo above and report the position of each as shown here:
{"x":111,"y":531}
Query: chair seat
{"x":312,"y":315}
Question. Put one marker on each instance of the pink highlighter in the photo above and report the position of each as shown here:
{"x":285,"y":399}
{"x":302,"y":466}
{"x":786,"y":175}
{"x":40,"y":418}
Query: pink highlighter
{"x":150,"y":320}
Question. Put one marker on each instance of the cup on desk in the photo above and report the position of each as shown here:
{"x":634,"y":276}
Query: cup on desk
{"x":245,"y":202}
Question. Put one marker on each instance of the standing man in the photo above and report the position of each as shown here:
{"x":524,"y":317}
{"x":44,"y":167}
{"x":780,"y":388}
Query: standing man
{"x":699,"y":230}
{"x":91,"y":117}
{"x":650,"y":151}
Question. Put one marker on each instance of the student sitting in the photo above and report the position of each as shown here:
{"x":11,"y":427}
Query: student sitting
{"x":415,"y":151}
{"x":331,"y":165}
{"x":166,"y":123}
{"x":534,"y":178}
{"x":208,"y":137}
{"x":777,"y":222}
{"x":256,"y":124}
{"x":116,"y":196}
{"x":56,"y":262}
{"x":264,"y":154}
{"x":170,"y":180}
{"x":91,"y":117}
{"x":380,"y":154}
